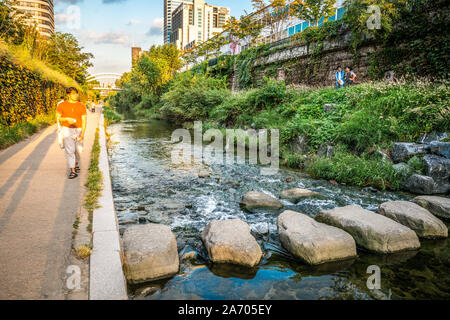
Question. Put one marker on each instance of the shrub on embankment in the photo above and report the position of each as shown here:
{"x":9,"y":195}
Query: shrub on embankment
{"x":358,"y":121}
{"x":111,"y":116}
{"x":29,"y":92}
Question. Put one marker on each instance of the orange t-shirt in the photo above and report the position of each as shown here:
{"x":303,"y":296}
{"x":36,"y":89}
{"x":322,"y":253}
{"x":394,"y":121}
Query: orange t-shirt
{"x":71,"y":110}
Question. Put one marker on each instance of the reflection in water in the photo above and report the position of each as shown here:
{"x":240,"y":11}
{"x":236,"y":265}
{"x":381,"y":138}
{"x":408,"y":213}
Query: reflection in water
{"x":149,"y":188}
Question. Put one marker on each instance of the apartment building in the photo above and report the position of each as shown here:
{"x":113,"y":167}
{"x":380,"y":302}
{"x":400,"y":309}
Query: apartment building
{"x":40,"y":12}
{"x":195,"y":21}
{"x":283,"y":30}
{"x":169,"y":7}
{"x":136,"y":53}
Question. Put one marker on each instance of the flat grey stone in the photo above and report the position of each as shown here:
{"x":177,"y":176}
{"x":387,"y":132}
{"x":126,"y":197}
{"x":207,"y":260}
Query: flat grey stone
{"x":370,"y":230}
{"x":414,"y":217}
{"x":401,"y":167}
{"x":106,"y":281}
{"x":439,"y":169}
{"x":297,"y":194}
{"x":230,"y":241}
{"x":420,"y":184}
{"x":150,"y":253}
{"x":433,"y":136}
{"x":204,"y":174}
{"x":254,"y":201}
{"x":312,"y":241}
{"x":402,"y":151}
{"x":440,"y":148}
{"x":439,"y":206}
{"x":106,"y":241}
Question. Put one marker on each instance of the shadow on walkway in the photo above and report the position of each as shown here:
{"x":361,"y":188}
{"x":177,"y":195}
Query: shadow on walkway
{"x":54,"y":267}
{"x":26,"y":170}
{"x":16,"y":148}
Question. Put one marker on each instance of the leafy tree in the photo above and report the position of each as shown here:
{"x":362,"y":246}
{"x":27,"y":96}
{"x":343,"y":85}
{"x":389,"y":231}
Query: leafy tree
{"x":357,"y":15}
{"x":147,"y":75}
{"x":234,"y":31}
{"x":275,"y":14}
{"x":313,"y":10}
{"x":61,"y":51}
{"x":65,"y":54}
{"x":168,"y":53}
{"x":250,"y":29}
{"x":142,"y":87}
{"x":12,"y":26}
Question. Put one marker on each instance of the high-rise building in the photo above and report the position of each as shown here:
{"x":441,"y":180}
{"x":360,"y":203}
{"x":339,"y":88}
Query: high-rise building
{"x":195,"y":21}
{"x":169,"y":7}
{"x":41,"y":14}
{"x":136,"y":53}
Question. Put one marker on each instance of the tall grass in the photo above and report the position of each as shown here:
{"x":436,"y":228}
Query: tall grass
{"x":358,"y":120}
{"x":13,"y":134}
{"x":22,"y":56}
{"x":111,"y":115}
{"x":94,"y":182}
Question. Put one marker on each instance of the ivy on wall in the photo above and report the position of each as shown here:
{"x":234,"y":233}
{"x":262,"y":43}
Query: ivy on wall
{"x":24,"y":94}
{"x":418,"y":45}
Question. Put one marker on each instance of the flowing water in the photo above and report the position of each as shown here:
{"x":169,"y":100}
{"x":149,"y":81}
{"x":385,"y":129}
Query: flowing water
{"x":148,"y":188}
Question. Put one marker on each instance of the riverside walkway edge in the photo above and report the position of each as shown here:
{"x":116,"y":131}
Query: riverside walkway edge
{"x":107,"y":281}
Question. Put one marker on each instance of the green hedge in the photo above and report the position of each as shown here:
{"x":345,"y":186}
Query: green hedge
{"x":24,"y":94}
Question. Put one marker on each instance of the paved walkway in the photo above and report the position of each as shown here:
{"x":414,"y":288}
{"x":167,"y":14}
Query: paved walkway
{"x":38,"y":206}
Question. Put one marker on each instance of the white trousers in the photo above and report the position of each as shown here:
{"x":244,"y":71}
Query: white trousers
{"x":72,"y":147}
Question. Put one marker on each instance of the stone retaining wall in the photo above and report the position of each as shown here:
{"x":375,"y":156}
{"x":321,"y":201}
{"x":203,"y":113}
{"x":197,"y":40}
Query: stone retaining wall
{"x":305,"y":65}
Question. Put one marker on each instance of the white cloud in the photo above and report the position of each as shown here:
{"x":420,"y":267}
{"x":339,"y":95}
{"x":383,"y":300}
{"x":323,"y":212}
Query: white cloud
{"x":107,"y":38}
{"x":133,"y":22}
{"x":156,"y":27}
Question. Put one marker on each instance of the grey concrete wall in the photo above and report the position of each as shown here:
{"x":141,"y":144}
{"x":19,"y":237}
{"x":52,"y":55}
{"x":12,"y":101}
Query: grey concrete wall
{"x":107,"y":281}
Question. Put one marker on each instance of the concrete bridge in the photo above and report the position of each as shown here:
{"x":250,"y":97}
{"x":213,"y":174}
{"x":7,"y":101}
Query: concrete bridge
{"x":105,"y":76}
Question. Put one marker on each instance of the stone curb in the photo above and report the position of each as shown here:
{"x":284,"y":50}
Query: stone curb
{"x":107,"y":281}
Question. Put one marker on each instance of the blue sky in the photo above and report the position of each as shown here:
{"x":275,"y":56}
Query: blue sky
{"x":108,"y":28}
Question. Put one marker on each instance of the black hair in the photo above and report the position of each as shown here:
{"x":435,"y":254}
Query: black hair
{"x":71,"y":89}
{"x":338,"y":67}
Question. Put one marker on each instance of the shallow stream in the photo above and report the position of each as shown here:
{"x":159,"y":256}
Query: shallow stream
{"x":147,"y":188}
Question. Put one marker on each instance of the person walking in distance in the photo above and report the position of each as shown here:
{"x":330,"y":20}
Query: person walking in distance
{"x":72,"y":116}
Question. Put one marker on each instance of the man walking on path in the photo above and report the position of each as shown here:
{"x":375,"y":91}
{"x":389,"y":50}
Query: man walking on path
{"x":38,"y":206}
{"x":72,"y":116}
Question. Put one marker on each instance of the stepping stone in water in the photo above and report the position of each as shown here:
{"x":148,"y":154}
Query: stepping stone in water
{"x":204,"y":174}
{"x":312,"y":241}
{"x":230,"y":241}
{"x":297,"y":194}
{"x":414,"y":217}
{"x":150,"y":253}
{"x":439,"y":206}
{"x":370,"y":230}
{"x":254,"y":201}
